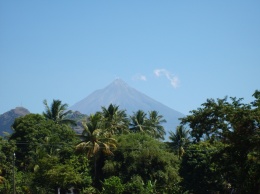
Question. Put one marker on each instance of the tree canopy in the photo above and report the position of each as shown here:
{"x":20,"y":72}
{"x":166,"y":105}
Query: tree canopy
{"x":236,"y":125}
{"x":215,"y":149}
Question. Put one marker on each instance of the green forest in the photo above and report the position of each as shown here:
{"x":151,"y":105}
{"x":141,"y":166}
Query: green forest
{"x":215,"y":149}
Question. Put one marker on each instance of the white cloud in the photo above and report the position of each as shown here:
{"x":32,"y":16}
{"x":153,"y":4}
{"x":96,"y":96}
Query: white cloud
{"x":139,"y":77}
{"x":174,"y":80}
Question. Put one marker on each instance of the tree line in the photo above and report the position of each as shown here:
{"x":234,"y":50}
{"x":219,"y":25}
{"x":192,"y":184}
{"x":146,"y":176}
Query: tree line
{"x":215,"y":149}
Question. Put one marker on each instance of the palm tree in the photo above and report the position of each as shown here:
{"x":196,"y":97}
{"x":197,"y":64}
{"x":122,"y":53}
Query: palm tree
{"x":138,"y":121}
{"x":115,"y":120}
{"x":94,"y":139}
{"x":57,"y":112}
{"x":95,"y":142}
{"x":180,"y":139}
{"x":154,"y":122}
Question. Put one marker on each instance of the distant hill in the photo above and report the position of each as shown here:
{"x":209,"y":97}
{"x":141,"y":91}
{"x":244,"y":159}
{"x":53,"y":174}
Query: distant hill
{"x":129,"y":99}
{"x":7,"y":119}
{"x":78,"y":118}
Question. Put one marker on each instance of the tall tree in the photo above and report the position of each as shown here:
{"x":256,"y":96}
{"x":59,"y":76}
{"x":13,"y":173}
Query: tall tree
{"x":198,"y":169}
{"x":236,"y":124}
{"x":138,"y":121}
{"x":208,"y":121}
{"x":180,"y":139}
{"x":36,"y":141}
{"x":96,"y":144}
{"x":115,"y":120}
{"x":36,"y":137}
{"x":94,"y":139}
{"x":57,"y":112}
{"x":155,"y":121}
{"x":143,"y":156}
{"x":150,"y":124}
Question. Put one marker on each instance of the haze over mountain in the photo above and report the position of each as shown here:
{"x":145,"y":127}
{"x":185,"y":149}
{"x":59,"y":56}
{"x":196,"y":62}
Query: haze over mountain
{"x":7,"y":119}
{"x":129,"y":99}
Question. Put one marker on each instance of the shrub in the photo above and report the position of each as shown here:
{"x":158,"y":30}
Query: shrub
{"x":113,"y":185}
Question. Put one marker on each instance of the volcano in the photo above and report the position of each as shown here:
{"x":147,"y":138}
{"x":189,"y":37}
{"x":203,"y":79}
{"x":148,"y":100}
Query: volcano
{"x":129,"y":99}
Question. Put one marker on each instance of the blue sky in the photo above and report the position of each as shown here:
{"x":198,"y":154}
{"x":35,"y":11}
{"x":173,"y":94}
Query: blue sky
{"x":177,"y":52}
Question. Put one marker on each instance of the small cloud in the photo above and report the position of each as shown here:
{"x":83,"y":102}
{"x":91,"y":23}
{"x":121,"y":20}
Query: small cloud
{"x":139,"y":77}
{"x":142,"y":77}
{"x":174,"y":80}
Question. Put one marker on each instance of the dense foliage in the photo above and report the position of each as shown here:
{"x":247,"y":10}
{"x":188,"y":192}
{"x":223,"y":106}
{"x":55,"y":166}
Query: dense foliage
{"x":139,"y":155}
{"x":235,"y":125}
{"x":215,"y":149}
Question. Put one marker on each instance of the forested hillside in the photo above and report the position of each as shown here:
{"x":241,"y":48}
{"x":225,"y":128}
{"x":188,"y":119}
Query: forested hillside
{"x":216,"y":149}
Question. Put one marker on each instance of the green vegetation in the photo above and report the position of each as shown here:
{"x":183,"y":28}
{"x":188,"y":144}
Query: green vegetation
{"x":215,"y":149}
